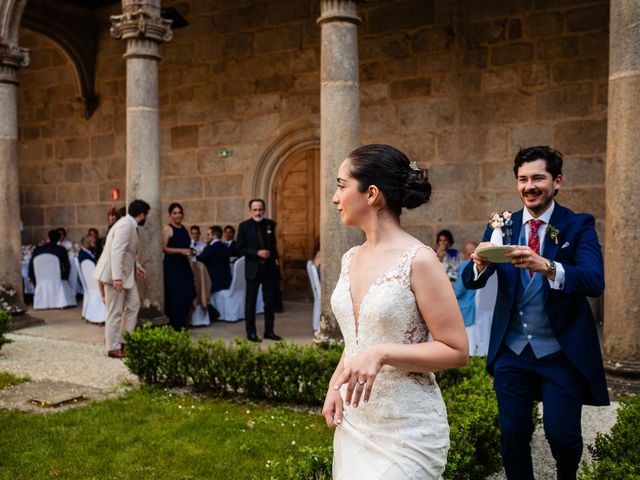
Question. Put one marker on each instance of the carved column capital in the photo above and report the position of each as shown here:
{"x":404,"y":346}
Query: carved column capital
{"x":144,"y":28}
{"x":12,"y":57}
{"x":339,"y":10}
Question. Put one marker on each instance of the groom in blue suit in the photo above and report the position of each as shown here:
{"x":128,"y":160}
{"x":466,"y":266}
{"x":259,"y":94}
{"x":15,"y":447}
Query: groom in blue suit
{"x":544,"y":344}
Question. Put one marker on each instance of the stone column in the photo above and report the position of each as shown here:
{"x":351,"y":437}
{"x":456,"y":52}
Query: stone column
{"x":143,"y":29}
{"x":12,"y":58}
{"x":339,"y":135}
{"x":622,"y":233}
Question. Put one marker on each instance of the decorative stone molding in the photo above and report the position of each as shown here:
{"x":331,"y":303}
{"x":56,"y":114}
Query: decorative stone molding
{"x":140,"y":24}
{"x":12,"y":57}
{"x":338,"y":11}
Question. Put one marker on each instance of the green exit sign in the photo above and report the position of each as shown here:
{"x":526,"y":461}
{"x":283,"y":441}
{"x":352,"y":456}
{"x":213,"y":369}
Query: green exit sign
{"x":225,"y":153}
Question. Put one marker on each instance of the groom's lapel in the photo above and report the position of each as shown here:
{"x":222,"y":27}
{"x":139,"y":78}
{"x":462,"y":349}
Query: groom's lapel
{"x":516,"y":226}
{"x":551,"y":246}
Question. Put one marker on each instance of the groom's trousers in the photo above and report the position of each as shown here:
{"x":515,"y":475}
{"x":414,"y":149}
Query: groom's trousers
{"x":518,"y":381}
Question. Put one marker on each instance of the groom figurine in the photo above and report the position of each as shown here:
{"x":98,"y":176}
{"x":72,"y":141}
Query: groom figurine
{"x":544,"y":344}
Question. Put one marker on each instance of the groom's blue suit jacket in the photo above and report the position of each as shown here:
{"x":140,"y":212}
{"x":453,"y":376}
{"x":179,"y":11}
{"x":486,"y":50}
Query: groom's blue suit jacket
{"x":578,"y":250}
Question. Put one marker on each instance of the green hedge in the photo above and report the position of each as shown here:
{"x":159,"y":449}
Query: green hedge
{"x":616,"y":455}
{"x":5,"y":325}
{"x":300,"y":374}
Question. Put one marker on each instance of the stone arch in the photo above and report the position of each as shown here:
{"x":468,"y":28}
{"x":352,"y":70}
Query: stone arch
{"x":288,"y":140}
{"x":10,"y":15}
{"x":79,"y":45}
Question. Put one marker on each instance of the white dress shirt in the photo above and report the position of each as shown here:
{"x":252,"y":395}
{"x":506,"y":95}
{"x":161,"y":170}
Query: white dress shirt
{"x":558,"y":282}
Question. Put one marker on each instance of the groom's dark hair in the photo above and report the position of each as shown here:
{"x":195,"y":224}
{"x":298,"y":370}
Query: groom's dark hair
{"x":137,"y":207}
{"x":552,"y":158}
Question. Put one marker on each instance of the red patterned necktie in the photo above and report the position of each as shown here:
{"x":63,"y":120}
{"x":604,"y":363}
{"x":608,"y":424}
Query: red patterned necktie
{"x":534,"y":239}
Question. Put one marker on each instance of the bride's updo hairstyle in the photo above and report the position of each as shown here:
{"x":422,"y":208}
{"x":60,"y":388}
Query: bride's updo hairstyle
{"x":402,"y":183}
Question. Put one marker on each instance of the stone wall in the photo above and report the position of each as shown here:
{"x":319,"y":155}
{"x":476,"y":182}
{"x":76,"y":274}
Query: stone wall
{"x":458,"y":85}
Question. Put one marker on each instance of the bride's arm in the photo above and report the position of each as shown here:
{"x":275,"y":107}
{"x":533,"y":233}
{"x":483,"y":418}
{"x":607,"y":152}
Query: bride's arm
{"x":439,"y":308}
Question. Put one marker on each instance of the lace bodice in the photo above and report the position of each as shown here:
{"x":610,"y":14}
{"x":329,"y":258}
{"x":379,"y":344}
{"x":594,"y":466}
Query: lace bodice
{"x":388,"y":314}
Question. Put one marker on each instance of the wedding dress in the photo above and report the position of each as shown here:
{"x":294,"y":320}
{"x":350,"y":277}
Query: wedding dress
{"x":402,"y":432}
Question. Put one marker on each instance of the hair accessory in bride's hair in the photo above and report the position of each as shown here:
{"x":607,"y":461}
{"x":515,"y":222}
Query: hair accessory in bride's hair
{"x":414,"y":166}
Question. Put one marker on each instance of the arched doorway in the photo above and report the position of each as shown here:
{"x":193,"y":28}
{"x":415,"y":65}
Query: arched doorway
{"x":297,"y":212}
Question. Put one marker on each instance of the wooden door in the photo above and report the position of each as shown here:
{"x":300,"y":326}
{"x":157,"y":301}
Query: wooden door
{"x":297,"y":212}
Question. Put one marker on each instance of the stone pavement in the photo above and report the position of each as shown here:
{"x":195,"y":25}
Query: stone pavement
{"x":65,"y":357}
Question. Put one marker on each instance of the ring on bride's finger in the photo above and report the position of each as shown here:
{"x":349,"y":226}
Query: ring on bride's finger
{"x":361,"y":382}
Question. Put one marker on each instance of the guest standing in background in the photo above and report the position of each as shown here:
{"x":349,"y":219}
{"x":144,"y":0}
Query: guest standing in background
{"x":179,"y":287}
{"x":257,"y":243}
{"x":116,"y":271}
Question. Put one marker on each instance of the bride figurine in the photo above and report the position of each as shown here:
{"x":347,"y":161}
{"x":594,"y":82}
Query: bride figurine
{"x":400,"y":321}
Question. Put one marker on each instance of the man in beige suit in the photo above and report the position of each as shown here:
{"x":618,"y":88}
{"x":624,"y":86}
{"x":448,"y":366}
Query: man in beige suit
{"x":116,"y":269}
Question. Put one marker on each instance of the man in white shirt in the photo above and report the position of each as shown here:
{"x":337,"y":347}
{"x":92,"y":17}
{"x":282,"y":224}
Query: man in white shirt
{"x":196,"y":243}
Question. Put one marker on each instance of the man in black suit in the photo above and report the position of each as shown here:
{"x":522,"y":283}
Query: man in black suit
{"x":87,"y":245}
{"x":257,"y":243}
{"x":52,"y":247}
{"x":215,"y":257}
{"x":229,"y":241}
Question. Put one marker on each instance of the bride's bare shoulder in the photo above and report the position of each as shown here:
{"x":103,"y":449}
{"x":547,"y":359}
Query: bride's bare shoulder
{"x":425,"y":257}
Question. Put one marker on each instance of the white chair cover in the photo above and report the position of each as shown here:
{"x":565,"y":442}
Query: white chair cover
{"x":200,"y":317}
{"x":480,"y":331}
{"x":93,"y":309}
{"x":51,"y":291}
{"x":230,"y":302}
{"x":85,"y":304}
{"x":314,"y":279}
{"x":74,"y":275}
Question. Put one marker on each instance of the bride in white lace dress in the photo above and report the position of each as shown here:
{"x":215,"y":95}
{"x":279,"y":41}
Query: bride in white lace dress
{"x":391,"y":297}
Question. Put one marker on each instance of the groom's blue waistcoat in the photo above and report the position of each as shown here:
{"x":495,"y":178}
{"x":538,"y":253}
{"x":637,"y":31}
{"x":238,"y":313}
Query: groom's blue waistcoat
{"x":565,"y":312}
{"x":529,"y":321}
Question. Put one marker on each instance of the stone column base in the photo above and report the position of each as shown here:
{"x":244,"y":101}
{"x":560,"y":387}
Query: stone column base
{"x":24,"y":321}
{"x":157,"y":321}
{"x":623,"y":377}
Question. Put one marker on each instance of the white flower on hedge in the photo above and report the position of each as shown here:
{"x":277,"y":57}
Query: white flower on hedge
{"x":146,"y":303}
{"x":293,"y":442}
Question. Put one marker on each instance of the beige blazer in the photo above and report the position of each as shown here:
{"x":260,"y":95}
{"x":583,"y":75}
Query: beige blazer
{"x":118,"y":259}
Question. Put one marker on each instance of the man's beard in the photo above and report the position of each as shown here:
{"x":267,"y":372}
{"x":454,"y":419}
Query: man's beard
{"x":142,"y":222}
{"x":258,"y":219}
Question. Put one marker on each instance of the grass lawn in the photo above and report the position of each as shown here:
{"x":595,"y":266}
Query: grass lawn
{"x":153,"y":434}
{"x":8,"y":379}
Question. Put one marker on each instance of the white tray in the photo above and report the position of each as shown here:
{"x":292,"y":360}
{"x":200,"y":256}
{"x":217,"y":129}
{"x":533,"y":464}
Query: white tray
{"x":495,"y":254}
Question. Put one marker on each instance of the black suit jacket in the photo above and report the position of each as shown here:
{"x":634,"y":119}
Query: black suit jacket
{"x":216,"y":258}
{"x":53,"y":249}
{"x":249,"y":244}
{"x":82,"y":255}
{"x":233,"y":247}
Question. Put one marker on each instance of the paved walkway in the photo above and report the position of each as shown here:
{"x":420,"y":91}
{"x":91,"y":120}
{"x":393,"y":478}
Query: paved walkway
{"x":65,"y":357}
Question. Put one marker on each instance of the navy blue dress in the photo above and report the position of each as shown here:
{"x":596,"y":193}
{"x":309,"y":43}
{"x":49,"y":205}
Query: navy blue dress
{"x":179,"y":287}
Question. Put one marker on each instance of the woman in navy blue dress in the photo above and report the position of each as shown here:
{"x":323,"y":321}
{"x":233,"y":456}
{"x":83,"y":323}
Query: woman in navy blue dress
{"x":179,"y":287}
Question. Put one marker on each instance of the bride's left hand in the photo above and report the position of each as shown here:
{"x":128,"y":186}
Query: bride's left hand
{"x":360,"y":375}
